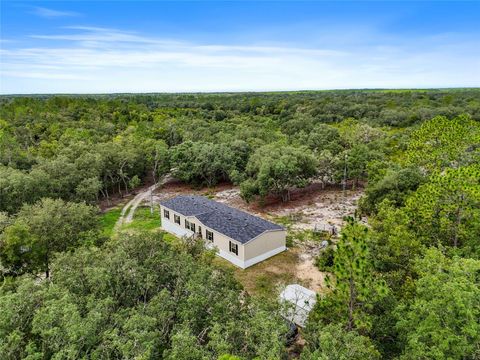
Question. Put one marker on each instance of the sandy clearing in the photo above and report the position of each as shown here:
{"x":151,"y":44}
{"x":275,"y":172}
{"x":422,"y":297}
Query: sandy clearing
{"x":316,"y":207}
{"x":312,"y":277}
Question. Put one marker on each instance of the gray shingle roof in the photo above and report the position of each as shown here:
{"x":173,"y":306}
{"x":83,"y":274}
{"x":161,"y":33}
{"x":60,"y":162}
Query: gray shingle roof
{"x":231,"y":222}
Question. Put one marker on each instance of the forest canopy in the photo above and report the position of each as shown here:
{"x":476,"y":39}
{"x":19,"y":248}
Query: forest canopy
{"x":86,"y":147}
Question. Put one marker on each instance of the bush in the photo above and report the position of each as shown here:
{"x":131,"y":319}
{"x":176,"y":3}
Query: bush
{"x":324,"y":261}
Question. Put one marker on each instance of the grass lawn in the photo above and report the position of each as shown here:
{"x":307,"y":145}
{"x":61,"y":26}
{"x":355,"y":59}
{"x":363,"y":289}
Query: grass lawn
{"x":144,"y":220}
{"x":108,"y":220}
{"x":267,"y":277}
{"x":169,"y":238}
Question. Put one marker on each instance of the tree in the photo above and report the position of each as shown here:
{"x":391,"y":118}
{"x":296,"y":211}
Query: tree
{"x":354,"y":286}
{"x":18,"y":306}
{"x":327,"y":166}
{"x":276,"y":168}
{"x":446,"y":210}
{"x":259,"y":334}
{"x":88,"y":190}
{"x":441,"y":142}
{"x":160,"y":160}
{"x":63,"y":176}
{"x":324,"y":261}
{"x":228,"y":357}
{"x":395,"y":247}
{"x":5,"y":221}
{"x":357,"y":159}
{"x":41,"y":230}
{"x":136,"y":297}
{"x":335,"y":343}
{"x":18,"y":187}
{"x":134,"y":182}
{"x":121,"y":160}
{"x":185,"y":347}
{"x":203,"y":163}
{"x":321,"y":138}
{"x":442,"y":320}
{"x":299,"y":122}
{"x":11,"y":153}
{"x":395,"y":185}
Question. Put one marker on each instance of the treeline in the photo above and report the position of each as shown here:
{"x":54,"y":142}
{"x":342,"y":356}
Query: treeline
{"x":377,"y":107}
{"x":79,"y":171}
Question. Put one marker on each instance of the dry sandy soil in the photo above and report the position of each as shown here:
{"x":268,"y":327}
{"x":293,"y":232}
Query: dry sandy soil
{"x":308,"y":209}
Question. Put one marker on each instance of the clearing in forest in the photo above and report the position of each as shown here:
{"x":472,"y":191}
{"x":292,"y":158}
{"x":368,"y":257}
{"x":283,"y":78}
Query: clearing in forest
{"x":309,"y":209}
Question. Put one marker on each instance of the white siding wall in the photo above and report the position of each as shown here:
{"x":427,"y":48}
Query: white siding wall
{"x":175,"y":229}
{"x":170,"y":226}
{"x":264,"y":256}
{"x":270,"y":242}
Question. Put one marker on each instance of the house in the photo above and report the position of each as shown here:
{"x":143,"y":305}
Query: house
{"x":298,"y":302}
{"x":239,"y":237}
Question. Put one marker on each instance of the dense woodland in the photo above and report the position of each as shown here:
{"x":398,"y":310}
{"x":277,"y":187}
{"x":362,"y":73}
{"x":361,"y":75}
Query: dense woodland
{"x":407,"y":286}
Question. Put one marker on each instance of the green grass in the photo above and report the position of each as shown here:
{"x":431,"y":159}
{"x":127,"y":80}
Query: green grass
{"x":169,"y":238}
{"x":109,"y":219}
{"x":294,"y":237}
{"x":263,"y":279}
{"x":310,"y":235}
{"x":144,"y":220}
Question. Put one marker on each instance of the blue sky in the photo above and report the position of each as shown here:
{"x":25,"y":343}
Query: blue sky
{"x":157,"y":46}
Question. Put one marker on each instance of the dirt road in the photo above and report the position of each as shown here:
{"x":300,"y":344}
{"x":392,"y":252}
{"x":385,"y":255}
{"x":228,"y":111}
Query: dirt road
{"x":126,"y":216}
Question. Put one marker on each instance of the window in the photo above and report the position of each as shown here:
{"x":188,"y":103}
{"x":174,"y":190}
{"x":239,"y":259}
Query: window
{"x":166,"y":214}
{"x":199,"y":233}
{"x":209,"y":235}
{"x":234,"y":248}
{"x":176,"y":218}
{"x":189,"y":225}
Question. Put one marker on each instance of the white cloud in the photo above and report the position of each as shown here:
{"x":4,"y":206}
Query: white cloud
{"x":97,"y":34}
{"x":50,"y":13}
{"x":92,"y":59}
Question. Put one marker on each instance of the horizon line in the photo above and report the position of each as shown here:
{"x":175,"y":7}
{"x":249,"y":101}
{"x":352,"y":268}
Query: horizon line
{"x":214,"y":92}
